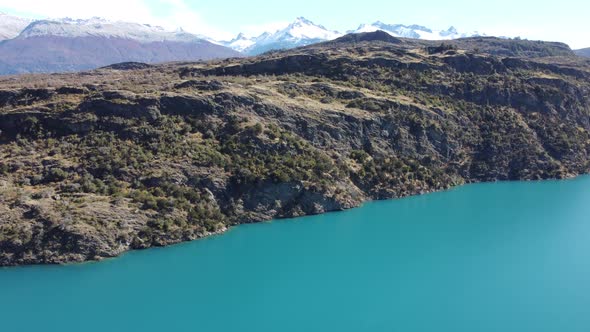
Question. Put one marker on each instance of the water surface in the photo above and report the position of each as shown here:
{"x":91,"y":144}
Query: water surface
{"x":487,"y":257}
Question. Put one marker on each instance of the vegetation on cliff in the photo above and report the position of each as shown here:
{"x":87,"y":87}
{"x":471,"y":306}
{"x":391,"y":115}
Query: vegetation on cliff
{"x":94,"y":164}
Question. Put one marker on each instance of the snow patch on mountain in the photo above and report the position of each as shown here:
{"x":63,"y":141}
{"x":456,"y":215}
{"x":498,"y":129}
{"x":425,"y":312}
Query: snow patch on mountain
{"x":241,"y":43}
{"x":11,"y":26}
{"x":98,"y":27}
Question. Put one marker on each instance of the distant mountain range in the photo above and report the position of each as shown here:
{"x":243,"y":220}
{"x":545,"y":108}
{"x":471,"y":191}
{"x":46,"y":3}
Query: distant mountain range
{"x":72,"y":45}
{"x":415,"y":31}
{"x":58,"y":45}
{"x":304,"y":32}
{"x":301,"y":32}
{"x":583,"y":52}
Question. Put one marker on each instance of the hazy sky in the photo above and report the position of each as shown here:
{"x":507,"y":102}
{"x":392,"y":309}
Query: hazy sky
{"x":565,"y":20}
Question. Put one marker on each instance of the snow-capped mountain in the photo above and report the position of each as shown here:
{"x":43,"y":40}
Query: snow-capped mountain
{"x":70,"y":45}
{"x":415,"y":31}
{"x":304,"y":29}
{"x":299,"y":33}
{"x":50,"y":45}
{"x":241,"y":43}
{"x":11,"y":26}
{"x":304,"y":32}
{"x":98,"y":27}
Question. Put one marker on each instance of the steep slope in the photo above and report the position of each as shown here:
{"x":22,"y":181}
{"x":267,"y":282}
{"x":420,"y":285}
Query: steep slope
{"x":583,"y":52}
{"x":135,"y":156}
{"x":70,"y":45}
{"x":11,"y":26}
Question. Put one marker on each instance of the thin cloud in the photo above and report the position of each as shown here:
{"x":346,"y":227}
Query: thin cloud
{"x":134,"y":10}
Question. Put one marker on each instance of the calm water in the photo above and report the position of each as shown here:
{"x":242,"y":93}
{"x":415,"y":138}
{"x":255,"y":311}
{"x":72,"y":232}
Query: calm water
{"x":494,"y":257}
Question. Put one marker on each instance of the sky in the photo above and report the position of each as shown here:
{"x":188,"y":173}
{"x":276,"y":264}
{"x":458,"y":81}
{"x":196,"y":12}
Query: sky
{"x":566,"y":20}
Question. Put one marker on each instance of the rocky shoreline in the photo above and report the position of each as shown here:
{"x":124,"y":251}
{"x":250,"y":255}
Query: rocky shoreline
{"x":95,"y":164}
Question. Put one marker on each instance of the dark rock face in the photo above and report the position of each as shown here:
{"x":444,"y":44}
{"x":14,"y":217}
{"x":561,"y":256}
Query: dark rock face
{"x":68,"y":90}
{"x":379,"y":35}
{"x":24,"y":97}
{"x":201,"y":85}
{"x":119,"y":159}
{"x":469,"y":63}
{"x":128,"y":66}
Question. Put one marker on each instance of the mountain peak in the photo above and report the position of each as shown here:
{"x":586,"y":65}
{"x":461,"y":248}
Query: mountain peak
{"x":302,"y":19}
{"x":414,"y":31}
{"x":452,"y":29}
{"x":300,"y":32}
{"x":99,"y":27}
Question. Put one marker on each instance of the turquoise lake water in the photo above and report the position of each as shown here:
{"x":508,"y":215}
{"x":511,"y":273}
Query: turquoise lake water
{"x":487,"y":257}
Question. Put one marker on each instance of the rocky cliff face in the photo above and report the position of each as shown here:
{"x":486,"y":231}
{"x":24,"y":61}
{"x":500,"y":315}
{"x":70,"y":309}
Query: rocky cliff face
{"x":130,"y":157}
